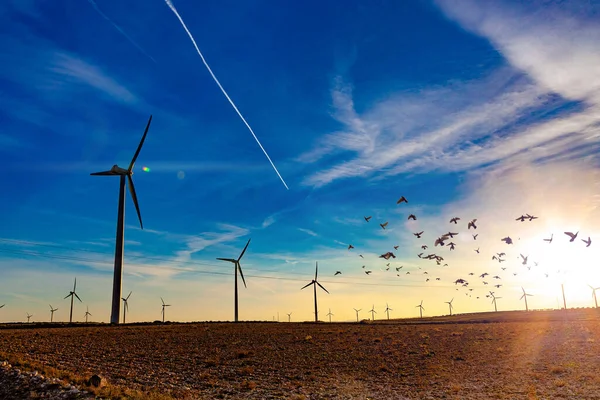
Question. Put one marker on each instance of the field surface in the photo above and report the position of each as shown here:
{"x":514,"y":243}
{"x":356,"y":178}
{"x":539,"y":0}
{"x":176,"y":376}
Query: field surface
{"x":539,"y":355}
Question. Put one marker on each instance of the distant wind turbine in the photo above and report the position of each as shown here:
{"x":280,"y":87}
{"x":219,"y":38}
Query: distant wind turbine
{"x":450,"y":305}
{"x":525,"y":297}
{"x":52,"y":309}
{"x":387,"y":310}
{"x":236,"y":267}
{"x":562,"y":287}
{"x":163,"y":309}
{"x":72,"y":294}
{"x":29,"y":317}
{"x":314,"y":282}
{"x":420,"y":307}
{"x":357,"y":313}
{"x":329,"y":314}
{"x":289,"y":317}
{"x":119,"y":245}
{"x":593,"y":294}
{"x":87,"y":313}
{"x":172,"y":7}
{"x":373,"y":312}
{"x":125,"y":305}
{"x":494,"y":298}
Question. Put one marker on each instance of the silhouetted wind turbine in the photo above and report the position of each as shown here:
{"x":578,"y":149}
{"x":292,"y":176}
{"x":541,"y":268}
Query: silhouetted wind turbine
{"x":52,"y":312}
{"x":119,"y":245}
{"x":125,"y":305}
{"x":420,"y":307}
{"x":525,"y":297}
{"x":329,"y":314}
{"x":29,"y":317}
{"x":72,"y":294}
{"x":562,"y":287}
{"x":314,"y":282}
{"x":373,"y":312}
{"x":494,"y":298}
{"x":593,"y":294}
{"x":450,"y":305}
{"x":163,"y":308}
{"x":87,"y":313}
{"x":289,"y":317}
{"x":236,"y":267}
{"x":387,"y":310}
{"x":357,"y":313}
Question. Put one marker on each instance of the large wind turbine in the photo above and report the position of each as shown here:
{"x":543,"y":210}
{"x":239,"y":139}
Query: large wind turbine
{"x":373,"y":312}
{"x":125,"y":305}
{"x":525,"y":297}
{"x":236,"y":267}
{"x":163,"y":308}
{"x":119,"y":245}
{"x":52,"y":310}
{"x":494,"y":298}
{"x":330,"y":314}
{"x":71,"y":295}
{"x":357,"y":313}
{"x":593,"y":294}
{"x":314,"y":282}
{"x":387,"y":311}
{"x":420,"y":307}
{"x":450,"y":305}
{"x":87,"y":313}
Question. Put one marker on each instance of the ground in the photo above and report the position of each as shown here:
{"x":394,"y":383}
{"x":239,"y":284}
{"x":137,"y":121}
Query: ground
{"x":515,"y":355}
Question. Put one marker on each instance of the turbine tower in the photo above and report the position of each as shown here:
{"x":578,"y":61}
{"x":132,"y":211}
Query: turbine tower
{"x":163,"y":308}
{"x":420,"y":307}
{"x":120,"y":243}
{"x":357,"y":313}
{"x":29,"y":317}
{"x":593,"y":295}
{"x":125,"y":305}
{"x":289,"y":317}
{"x":494,"y":298}
{"x":52,"y":309}
{"x":87,"y":313}
{"x":329,"y":315}
{"x":450,"y":305}
{"x":387,"y":310}
{"x":373,"y":312}
{"x":236,"y":267}
{"x":314,"y":282}
{"x":525,"y":297}
{"x":72,"y":294}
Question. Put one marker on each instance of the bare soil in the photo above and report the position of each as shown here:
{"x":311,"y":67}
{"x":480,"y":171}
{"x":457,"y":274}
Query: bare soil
{"x":534,"y":356}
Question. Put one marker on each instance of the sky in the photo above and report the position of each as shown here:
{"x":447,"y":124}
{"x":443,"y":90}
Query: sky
{"x":477,"y":110}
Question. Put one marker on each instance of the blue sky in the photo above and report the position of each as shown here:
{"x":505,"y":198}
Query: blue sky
{"x":468,"y":109}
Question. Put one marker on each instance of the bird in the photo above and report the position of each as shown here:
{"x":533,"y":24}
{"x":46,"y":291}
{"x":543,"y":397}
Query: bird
{"x":477,"y":250}
{"x":439,"y":241}
{"x":451,"y":245}
{"x":367,"y":218}
{"x":471,"y":224}
{"x":427,"y":280}
{"x":455,"y":220}
{"x":361,"y":256}
{"x":522,"y":218}
{"x":531,"y":217}
{"x":451,"y":234}
{"x":437,"y":279}
{"x":496,"y":277}
{"x":363,"y":267}
{"x":572,"y":235}
{"x":424,"y":247}
{"x":498,"y":286}
{"x":367,"y":272}
{"x":383,"y":225}
{"x":413,"y":217}
{"x":402,"y":200}
{"x":524,"y":259}
{"x":337,"y":273}
{"x":350,"y":247}
{"x":483,"y":275}
{"x":507,"y":240}
{"x":399,"y":268}
{"x":588,"y":242}
{"x":396,"y":247}
{"x":420,"y":255}
{"x":407,"y":272}
{"x":501,"y":254}
{"x":418,"y":234}
{"x":475,"y":236}
{"x":471,"y":273}
{"x":388,"y":255}
{"x":549,"y":240}
{"x":485,"y":283}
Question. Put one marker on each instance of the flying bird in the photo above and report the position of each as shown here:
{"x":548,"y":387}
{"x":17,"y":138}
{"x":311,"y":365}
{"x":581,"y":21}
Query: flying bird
{"x":396,"y":247}
{"x":522,"y":218}
{"x":367,"y":218}
{"x":383,"y":225}
{"x":451,"y":234}
{"x":507,"y":240}
{"x":412,"y":216}
{"x":418,"y":234}
{"x":471,"y":224}
{"x":455,"y":220}
{"x":350,"y":247}
{"x":451,"y":244}
{"x":549,"y":240}
{"x":483,"y":275}
{"x":477,"y":250}
{"x":424,"y":247}
{"x":402,"y":200}
{"x":531,"y":217}
{"x":337,"y":273}
{"x":439,"y":241}
{"x":475,"y":236}
{"x":368,"y":272}
{"x":588,"y":242}
{"x":572,"y":235}
{"x":388,"y":255}
{"x":524,"y":259}
{"x":399,"y":268}
{"x":361,"y":256}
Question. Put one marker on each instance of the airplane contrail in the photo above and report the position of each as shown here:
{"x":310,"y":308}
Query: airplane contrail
{"x":172,"y":7}
{"x":118,"y":28}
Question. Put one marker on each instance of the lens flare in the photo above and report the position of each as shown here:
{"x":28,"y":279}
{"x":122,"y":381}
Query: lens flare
{"x":145,"y":169}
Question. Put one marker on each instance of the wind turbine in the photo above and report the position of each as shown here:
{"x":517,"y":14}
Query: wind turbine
{"x":119,"y":245}
{"x":420,"y":307}
{"x":329,"y":315}
{"x":593,"y":294}
{"x":387,"y":310}
{"x":163,"y":308}
{"x":29,"y":316}
{"x":373,"y":312}
{"x":494,"y":298}
{"x":87,"y":313}
{"x":236,"y":267}
{"x":450,"y":305}
{"x":562,"y":287}
{"x":314,"y":282}
{"x":357,"y":313}
{"x":52,"y":312}
{"x":525,"y":297}
{"x":73,"y":294}
{"x":289,"y":317}
{"x":125,"y":305}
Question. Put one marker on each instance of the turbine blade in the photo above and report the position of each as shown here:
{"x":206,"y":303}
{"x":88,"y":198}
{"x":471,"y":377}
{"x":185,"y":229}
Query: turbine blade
{"x":239,"y":267}
{"x":128,"y":296}
{"x":161,"y":299}
{"x":105,"y":173}
{"x":135,"y":200}
{"x":322,"y":286}
{"x":137,"y":152}
{"x":67,"y":296}
{"x":227,"y":259}
{"x":77,"y":297}
{"x":316,"y":269}
{"x":74,"y":285}
{"x":305,"y":286}
{"x":126,"y":306}
{"x":243,"y":251}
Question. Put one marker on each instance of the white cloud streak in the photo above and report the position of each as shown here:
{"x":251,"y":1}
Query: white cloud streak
{"x":172,"y":7}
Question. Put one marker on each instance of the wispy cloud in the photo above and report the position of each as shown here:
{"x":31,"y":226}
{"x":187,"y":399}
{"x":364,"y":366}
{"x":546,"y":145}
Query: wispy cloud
{"x":308,"y":232}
